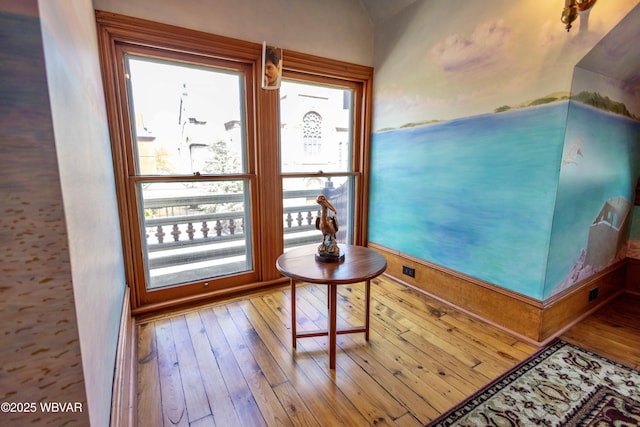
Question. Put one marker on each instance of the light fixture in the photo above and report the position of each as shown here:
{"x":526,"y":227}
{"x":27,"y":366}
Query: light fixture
{"x":571,"y":9}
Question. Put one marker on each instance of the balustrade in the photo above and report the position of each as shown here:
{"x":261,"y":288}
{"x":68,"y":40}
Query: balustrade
{"x":192,"y":236}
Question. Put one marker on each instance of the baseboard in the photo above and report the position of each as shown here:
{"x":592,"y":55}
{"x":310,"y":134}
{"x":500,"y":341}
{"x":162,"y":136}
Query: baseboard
{"x":569,"y":307}
{"x":521,"y":316}
{"x":124,"y":382}
{"x":632,"y":276}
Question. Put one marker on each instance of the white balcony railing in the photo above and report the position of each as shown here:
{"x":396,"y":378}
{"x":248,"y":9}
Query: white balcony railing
{"x":182,"y":239}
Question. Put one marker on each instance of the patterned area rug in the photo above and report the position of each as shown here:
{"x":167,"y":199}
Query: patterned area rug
{"x":561,"y":385}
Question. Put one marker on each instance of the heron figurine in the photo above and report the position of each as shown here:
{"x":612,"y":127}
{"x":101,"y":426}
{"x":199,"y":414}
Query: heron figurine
{"x":328,"y":224}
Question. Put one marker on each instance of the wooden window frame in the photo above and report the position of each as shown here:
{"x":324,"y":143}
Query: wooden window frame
{"x":116,"y":30}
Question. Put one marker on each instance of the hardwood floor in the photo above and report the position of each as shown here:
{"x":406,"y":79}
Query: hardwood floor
{"x":613,"y":331}
{"x":231,"y":363}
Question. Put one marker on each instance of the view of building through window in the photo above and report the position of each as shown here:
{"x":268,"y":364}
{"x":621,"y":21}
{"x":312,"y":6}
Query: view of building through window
{"x":316,"y":146}
{"x":189,"y":122}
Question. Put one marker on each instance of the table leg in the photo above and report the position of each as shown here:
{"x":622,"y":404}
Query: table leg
{"x":333,"y":300}
{"x":367,"y":306}
{"x":293,"y":312}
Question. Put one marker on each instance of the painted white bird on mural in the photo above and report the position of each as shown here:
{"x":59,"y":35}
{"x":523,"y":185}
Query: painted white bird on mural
{"x":575,"y":150}
{"x":329,"y":227}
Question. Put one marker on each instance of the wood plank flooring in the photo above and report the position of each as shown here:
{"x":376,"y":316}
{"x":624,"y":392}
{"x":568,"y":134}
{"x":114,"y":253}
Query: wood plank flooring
{"x":231,"y":363}
{"x":613,"y":331}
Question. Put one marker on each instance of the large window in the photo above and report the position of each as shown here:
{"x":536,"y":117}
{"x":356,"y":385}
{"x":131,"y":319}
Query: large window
{"x":198,"y":228}
{"x":210,"y":168}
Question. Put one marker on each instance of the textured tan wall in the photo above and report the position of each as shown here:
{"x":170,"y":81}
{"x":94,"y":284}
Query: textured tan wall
{"x":336,"y":29}
{"x":40,"y":352}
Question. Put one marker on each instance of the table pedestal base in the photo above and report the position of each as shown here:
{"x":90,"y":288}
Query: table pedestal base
{"x":332,"y":332}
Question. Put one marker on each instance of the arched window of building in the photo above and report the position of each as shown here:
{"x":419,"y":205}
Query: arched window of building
{"x":312,"y":133}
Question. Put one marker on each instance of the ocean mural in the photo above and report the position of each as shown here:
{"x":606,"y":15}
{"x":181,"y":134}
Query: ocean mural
{"x":492,"y":155}
{"x":497,"y":197}
{"x":601,"y":163}
{"x":474,"y":195}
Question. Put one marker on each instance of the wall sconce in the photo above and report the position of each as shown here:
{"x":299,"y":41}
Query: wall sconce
{"x":571,"y":9}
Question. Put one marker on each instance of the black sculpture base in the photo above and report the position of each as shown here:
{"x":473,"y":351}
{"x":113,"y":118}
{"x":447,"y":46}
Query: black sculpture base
{"x":330,"y":257}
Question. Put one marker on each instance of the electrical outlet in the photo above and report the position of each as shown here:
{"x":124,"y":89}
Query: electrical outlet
{"x":406,"y":270}
{"x":593,"y":294}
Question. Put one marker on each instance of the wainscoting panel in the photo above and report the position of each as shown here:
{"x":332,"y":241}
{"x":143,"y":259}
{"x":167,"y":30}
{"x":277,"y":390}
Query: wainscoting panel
{"x":521,"y":316}
{"x":567,"y":308}
{"x":632,"y":276}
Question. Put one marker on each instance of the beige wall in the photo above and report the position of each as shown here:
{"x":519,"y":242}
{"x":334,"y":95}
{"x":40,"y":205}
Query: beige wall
{"x":86,"y":173}
{"x":337,"y":29}
{"x":63,"y":284}
{"x":40,"y":358}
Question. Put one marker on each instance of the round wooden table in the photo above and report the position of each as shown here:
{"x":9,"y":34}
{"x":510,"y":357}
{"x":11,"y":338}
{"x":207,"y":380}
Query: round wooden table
{"x":359,"y":265}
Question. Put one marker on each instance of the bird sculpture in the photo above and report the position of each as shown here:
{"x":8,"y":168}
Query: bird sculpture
{"x":328,"y":224}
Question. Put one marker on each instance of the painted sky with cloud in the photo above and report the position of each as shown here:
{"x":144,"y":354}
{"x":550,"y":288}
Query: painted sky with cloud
{"x":476,"y":52}
{"x":446,"y":59}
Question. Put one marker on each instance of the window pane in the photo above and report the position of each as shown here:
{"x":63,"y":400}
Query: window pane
{"x":301,"y":209}
{"x":194,"y":230}
{"x":315,"y":123}
{"x":187,"y":119}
